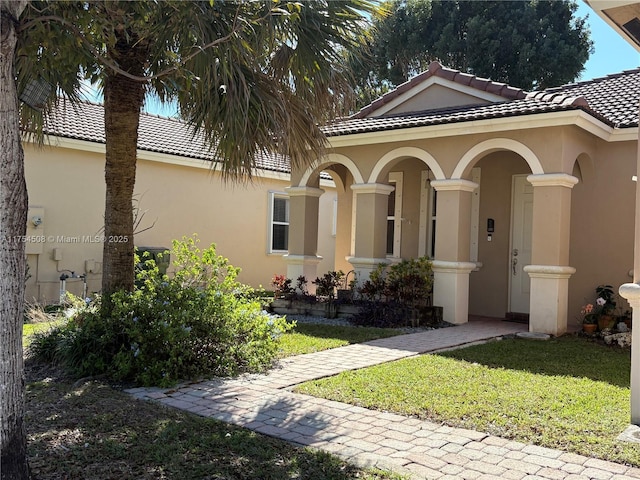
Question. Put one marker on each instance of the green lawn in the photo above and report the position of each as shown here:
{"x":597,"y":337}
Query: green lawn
{"x":310,"y":337}
{"x":93,"y":431}
{"x":28,"y":329}
{"x":567,"y":393}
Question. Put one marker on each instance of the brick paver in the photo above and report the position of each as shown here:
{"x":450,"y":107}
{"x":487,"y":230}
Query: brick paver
{"x":416,"y":448}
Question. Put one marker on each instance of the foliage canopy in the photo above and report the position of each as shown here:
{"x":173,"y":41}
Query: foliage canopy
{"x":528,"y":44}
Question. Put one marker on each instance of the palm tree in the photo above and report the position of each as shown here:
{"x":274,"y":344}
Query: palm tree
{"x":13,"y":225}
{"x":250,"y":77}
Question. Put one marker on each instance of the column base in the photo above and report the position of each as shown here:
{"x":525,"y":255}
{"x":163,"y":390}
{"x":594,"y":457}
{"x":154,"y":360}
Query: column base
{"x":549,"y":298}
{"x":363,"y":266}
{"x":451,"y":289}
{"x":303,"y":265}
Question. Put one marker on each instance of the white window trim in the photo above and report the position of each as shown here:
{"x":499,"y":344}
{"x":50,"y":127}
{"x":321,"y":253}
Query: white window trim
{"x":432,"y":221}
{"x":425,"y":186}
{"x":397,"y":178}
{"x":334,"y":220}
{"x":475,"y":215}
{"x":272,"y":196}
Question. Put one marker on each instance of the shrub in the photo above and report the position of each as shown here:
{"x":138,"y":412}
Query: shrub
{"x":394,"y":295}
{"x":199,"y":322}
{"x":283,"y":288}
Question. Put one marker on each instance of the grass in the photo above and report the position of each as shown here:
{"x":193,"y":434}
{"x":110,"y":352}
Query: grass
{"x":93,"y":431}
{"x":28,"y":329}
{"x":310,"y":337}
{"x":304,"y":338}
{"x":568,"y":393}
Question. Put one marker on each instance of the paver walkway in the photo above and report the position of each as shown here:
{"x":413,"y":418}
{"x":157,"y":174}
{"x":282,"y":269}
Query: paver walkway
{"x":365,"y":437}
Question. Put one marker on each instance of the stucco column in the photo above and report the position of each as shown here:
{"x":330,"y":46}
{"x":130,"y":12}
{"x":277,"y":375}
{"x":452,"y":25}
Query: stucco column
{"x":302,"y":258}
{"x":631,"y":291}
{"x":451,"y":267}
{"x":370,"y":249}
{"x":549,"y":270}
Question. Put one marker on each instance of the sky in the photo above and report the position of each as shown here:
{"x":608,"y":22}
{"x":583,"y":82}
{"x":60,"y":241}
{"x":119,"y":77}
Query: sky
{"x":612,"y":55}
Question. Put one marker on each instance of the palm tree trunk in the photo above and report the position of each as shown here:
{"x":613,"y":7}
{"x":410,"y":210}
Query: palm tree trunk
{"x":13,"y":226}
{"x":123,"y":101}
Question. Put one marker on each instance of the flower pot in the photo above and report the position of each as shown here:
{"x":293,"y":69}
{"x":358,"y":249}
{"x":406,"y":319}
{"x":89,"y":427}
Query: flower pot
{"x":344,"y":295}
{"x":589,"y":327}
{"x":606,"y":322}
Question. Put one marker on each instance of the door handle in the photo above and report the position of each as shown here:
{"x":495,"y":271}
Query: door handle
{"x":514,"y":262}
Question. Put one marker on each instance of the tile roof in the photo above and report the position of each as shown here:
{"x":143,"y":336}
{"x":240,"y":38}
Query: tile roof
{"x":435,"y":69}
{"x":612,"y":99}
{"x":615,"y":96}
{"x":155,"y":134}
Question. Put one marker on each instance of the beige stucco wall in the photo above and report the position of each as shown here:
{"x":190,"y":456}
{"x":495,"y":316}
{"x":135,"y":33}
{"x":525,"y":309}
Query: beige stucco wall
{"x":437,"y":96}
{"x":602,"y":222}
{"x":489,"y":285}
{"x":601,"y":226}
{"x":176,"y":200}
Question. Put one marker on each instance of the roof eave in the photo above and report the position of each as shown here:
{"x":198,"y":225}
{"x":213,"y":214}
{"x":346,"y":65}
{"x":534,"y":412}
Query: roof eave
{"x":576,"y":117}
{"x":153,"y":156}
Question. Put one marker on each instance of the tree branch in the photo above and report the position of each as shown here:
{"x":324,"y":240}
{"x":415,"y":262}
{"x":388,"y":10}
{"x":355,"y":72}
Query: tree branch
{"x":113,"y":66}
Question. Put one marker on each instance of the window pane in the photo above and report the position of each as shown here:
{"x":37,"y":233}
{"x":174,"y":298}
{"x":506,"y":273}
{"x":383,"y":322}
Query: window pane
{"x":391,"y":209}
{"x":433,"y":239}
{"x":280,"y":237}
{"x":390,"y":230}
{"x":281,"y":210}
{"x":434,"y":205}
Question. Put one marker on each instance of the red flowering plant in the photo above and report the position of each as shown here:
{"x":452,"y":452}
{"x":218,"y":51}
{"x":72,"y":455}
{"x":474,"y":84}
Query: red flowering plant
{"x":282,"y":286}
{"x":587,"y":314}
{"x":605,"y":304}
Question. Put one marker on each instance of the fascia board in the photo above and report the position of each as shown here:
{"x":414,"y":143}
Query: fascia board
{"x":524,"y":122}
{"x":98,"y":147}
{"x":72,"y":143}
{"x":466,"y":89}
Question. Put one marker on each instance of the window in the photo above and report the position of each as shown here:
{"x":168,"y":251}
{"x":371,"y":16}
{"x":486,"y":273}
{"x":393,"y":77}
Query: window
{"x":394,"y":216}
{"x":278,"y":223}
{"x":391,"y":222}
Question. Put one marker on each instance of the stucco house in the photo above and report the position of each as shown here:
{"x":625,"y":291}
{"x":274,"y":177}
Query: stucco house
{"x":624,"y":17}
{"x":525,"y":200}
{"x":177,"y":193}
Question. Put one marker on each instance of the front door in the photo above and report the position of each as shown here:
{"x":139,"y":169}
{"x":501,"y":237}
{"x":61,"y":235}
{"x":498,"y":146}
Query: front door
{"x":520,"y":253}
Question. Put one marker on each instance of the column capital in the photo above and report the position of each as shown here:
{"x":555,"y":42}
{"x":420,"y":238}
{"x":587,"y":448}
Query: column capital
{"x":552,"y":180}
{"x":631,"y":292}
{"x":453,"y":267}
{"x":366,"y":262}
{"x":304,"y":191}
{"x":372,"y":188}
{"x":455,"y":184}
{"x":302,"y":259}
{"x":549,"y":271}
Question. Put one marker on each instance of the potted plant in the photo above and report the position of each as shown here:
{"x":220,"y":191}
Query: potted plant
{"x":588,"y":319}
{"x":606,"y":305}
{"x":326,"y":287}
{"x":345,"y":290}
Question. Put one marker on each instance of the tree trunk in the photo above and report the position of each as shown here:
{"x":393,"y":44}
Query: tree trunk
{"x":13,"y":225}
{"x":123,"y":101}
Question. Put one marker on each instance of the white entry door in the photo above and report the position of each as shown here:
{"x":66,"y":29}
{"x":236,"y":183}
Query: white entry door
{"x":520,"y":253}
